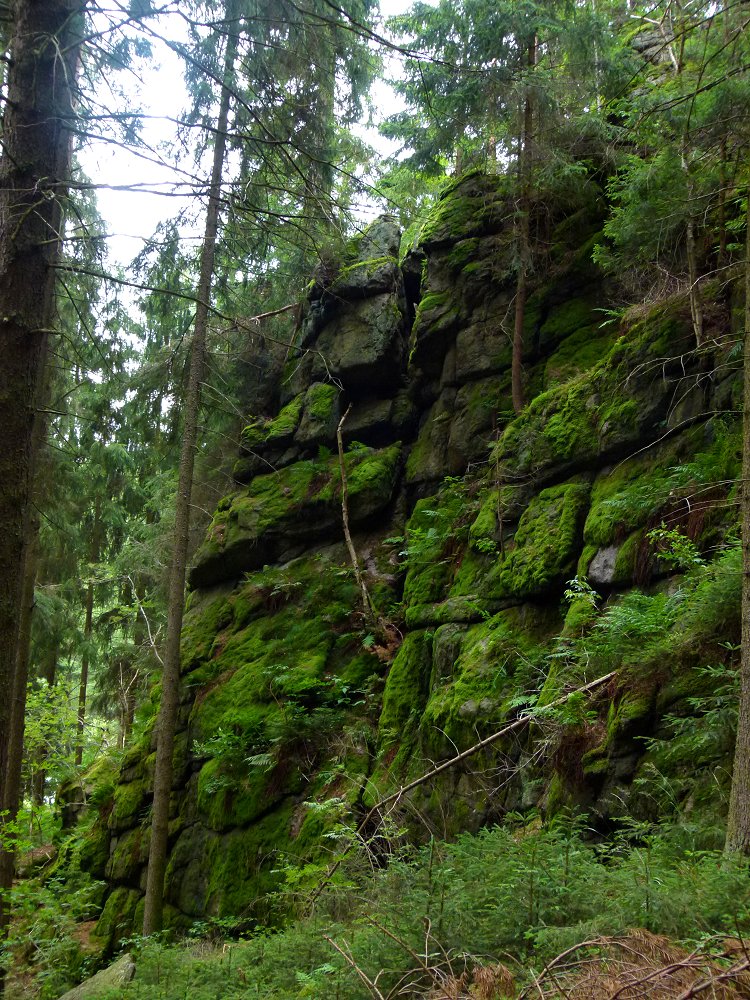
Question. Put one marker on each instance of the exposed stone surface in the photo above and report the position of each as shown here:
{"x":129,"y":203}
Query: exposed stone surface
{"x":117,"y":974}
{"x":290,"y":695}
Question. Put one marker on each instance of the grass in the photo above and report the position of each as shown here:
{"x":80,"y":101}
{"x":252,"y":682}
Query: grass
{"x":512,"y":896}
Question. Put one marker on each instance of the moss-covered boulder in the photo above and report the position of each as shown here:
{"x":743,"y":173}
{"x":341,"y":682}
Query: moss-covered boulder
{"x":545,"y":548}
{"x":601,"y":413}
{"x":364,"y":346}
{"x":302,"y":502}
{"x":473,"y":206}
{"x":320,"y":415}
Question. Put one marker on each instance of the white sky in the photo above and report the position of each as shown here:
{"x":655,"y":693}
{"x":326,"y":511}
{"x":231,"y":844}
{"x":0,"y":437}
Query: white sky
{"x":131,"y":215}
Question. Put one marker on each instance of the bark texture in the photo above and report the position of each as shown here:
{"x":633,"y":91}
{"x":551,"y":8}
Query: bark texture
{"x":525,"y":164}
{"x":165,"y":726}
{"x":738,"y":821}
{"x":34,"y":170}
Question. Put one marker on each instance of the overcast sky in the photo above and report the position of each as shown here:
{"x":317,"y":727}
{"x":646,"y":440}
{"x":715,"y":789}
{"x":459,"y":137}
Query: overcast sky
{"x":132,"y":215}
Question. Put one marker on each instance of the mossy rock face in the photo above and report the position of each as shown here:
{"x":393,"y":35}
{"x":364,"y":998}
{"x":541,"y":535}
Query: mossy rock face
{"x":602,"y":412}
{"x":438,"y":320}
{"x":130,"y":802}
{"x":376,"y":421}
{"x":381,"y":238}
{"x":207,"y":614}
{"x":299,"y":503}
{"x":406,"y":688}
{"x":428,"y":458}
{"x":320,"y":415}
{"x":487,"y":675}
{"x":615,"y":565}
{"x":94,"y":851}
{"x":482,"y":348}
{"x":631,"y":497}
{"x":579,"y":352}
{"x":264,"y":434}
{"x":474,"y":205}
{"x":546,"y":545}
{"x":430,"y":544}
{"x":364,"y":346}
{"x":575,"y":316}
{"x":117,"y":918}
{"x":366,"y":278}
{"x":128,"y":857}
{"x":479,"y":409}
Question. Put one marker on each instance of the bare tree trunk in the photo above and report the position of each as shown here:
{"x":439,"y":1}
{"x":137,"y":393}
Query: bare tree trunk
{"x":738,"y":821}
{"x":34,"y":169}
{"x":84,"y":681}
{"x":48,"y":675}
{"x":523,"y":238}
{"x":11,"y":791}
{"x":166,"y":722}
{"x":696,"y":302}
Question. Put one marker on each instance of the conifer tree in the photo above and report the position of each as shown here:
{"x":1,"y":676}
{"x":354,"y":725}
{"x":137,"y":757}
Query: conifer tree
{"x":34,"y":170}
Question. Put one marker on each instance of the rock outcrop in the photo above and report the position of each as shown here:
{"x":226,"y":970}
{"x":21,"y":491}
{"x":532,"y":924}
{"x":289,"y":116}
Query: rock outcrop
{"x":291,"y":695}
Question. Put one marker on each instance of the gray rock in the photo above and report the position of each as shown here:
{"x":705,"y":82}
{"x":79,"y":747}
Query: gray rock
{"x":118,"y":974}
{"x":363,"y":346}
{"x":602,"y":566}
{"x":445,"y":651}
{"x":366,"y":278}
{"x":382,"y":238}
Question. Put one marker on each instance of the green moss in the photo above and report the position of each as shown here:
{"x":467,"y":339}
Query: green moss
{"x":580,"y":617}
{"x":274,"y":505}
{"x":623,"y":498}
{"x":573,"y":316}
{"x":462,"y":253}
{"x":430,"y":541}
{"x":598,"y":411}
{"x":625,"y":561}
{"x":546,"y":543}
{"x":320,"y":400}
{"x":461,"y":608}
{"x":117,"y":919}
{"x":242,"y":867}
{"x":433,"y":301}
{"x":128,"y":857}
{"x":578,"y":353}
{"x":474,"y":205}
{"x":362,"y":270}
{"x":94,"y":851}
{"x":206,"y":617}
{"x":490,"y":672}
{"x":228,"y":800}
{"x":370,"y":475}
{"x":129,"y":803}
{"x":406,"y":688}
{"x":472,"y":571}
{"x":484,"y":526}
{"x":280,"y":428}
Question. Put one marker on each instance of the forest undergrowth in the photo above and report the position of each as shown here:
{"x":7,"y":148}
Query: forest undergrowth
{"x":482,"y":917}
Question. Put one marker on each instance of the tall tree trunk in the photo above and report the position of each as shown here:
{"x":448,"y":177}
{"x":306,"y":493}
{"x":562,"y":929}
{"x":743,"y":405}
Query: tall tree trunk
{"x":47,"y":674}
{"x":523,"y":223}
{"x":94,"y":554}
{"x":34,"y":169}
{"x":84,"y":681}
{"x":738,"y":821}
{"x":166,"y":722}
{"x":11,"y":790}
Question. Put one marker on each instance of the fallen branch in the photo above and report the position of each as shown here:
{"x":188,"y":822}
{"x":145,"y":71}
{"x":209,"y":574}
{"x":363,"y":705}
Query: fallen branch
{"x":512,"y":727}
{"x":367,"y":605}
